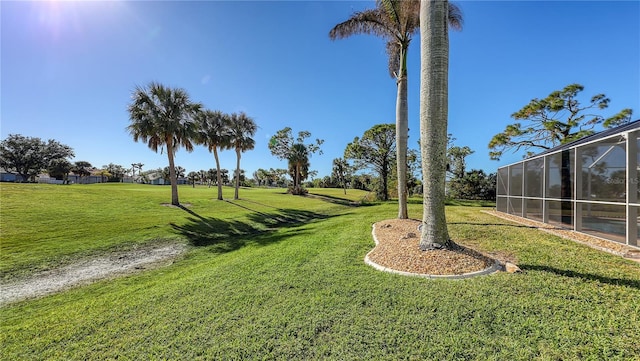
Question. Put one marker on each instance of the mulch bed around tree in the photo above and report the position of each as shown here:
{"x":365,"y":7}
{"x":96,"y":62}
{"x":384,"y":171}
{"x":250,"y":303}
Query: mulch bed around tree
{"x":398,"y":249}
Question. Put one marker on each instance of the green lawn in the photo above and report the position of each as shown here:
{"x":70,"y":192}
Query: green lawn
{"x":45,"y":225}
{"x":275,"y":276}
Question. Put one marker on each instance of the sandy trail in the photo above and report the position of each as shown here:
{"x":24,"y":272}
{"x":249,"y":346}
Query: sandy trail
{"x":88,"y":271}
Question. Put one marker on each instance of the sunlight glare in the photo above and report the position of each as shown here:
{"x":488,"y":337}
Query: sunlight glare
{"x":59,"y":19}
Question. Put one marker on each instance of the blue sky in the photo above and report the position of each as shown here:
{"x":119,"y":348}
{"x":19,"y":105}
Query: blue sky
{"x":68,"y":70}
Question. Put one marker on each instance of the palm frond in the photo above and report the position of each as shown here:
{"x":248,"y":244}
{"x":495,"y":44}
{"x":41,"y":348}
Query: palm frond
{"x":391,"y":9}
{"x":370,"y":21}
{"x":394,"y":52}
{"x":454,"y":17}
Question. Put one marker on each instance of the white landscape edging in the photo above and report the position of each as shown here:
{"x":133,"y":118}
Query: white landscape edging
{"x":495,"y":267}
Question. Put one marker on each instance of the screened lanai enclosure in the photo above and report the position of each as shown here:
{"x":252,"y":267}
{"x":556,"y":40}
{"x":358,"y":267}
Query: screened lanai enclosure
{"x":589,"y":185}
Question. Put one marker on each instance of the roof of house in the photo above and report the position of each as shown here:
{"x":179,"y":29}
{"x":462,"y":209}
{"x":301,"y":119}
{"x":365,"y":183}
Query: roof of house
{"x":634,"y":125}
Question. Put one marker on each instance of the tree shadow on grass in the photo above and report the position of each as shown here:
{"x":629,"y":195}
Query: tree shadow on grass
{"x":225,"y":235}
{"x":286,"y":218}
{"x":587,"y":276}
{"x":247,"y":208}
{"x":258,"y":203}
{"x":338,"y":200}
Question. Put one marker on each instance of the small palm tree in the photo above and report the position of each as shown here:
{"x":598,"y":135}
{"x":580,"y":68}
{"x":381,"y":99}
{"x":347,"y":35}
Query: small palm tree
{"x":193,"y":177}
{"x":241,"y":130}
{"x":396,"y":21}
{"x":202,"y":176}
{"x":224,"y":175}
{"x":211,"y":175}
{"x":214,"y":133}
{"x":163,"y":117}
{"x":180,"y":172}
{"x":298,"y":166}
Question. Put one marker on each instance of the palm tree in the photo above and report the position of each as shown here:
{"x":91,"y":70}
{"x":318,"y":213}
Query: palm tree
{"x":298,"y":160}
{"x":211,"y":175}
{"x":214,"y":133}
{"x":163,"y":117}
{"x":202,"y":175}
{"x":139,"y":166}
{"x":395,"y":21}
{"x":192,"y":177}
{"x":241,"y":130}
{"x":133,"y":170}
{"x":180,"y":172}
{"x":434,"y":55}
{"x":224,"y":175}
{"x":261,"y":176}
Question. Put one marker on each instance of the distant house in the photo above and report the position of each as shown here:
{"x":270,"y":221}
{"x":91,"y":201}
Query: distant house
{"x":94,"y":177}
{"x":47,"y":179}
{"x":91,"y":179}
{"x":158,"y":179}
{"x":6,"y":176}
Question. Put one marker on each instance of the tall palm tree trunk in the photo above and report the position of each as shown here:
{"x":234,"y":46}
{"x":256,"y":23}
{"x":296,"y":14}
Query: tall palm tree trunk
{"x":402,"y":135}
{"x":218,"y":174}
{"x":172,"y":174}
{"x":434,"y":54}
{"x":235,"y":196}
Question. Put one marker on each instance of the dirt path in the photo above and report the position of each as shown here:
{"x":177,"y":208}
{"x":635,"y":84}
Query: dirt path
{"x":88,"y":271}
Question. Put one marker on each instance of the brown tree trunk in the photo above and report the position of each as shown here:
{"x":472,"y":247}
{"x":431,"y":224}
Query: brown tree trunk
{"x":172,"y":174}
{"x":235,"y":196}
{"x":218,"y":174}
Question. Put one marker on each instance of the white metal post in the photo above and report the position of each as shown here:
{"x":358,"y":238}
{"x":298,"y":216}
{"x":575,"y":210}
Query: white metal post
{"x":545,"y":179}
{"x":632,"y":187}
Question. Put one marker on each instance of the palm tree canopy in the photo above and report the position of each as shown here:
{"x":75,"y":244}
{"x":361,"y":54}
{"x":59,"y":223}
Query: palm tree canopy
{"x":299,"y":153}
{"x":242,"y":128}
{"x":213,"y":129}
{"x":299,"y":160}
{"x":162,"y":116}
{"x":393,"y":20}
